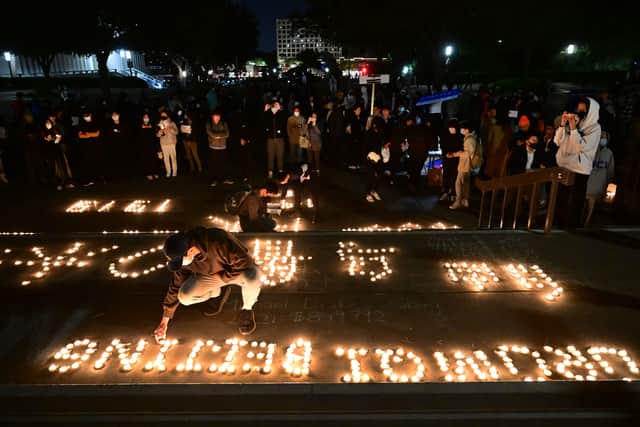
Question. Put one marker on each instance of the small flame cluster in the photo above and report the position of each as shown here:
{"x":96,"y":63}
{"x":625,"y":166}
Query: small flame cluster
{"x":295,"y":364}
{"x":359,"y":258}
{"x":276,"y":262}
{"x":116,"y":272}
{"x":231,"y":226}
{"x":534,"y":278}
{"x":68,"y":358}
{"x":356,"y":376}
{"x":478,"y":276}
{"x":387,"y":356}
{"x":160,"y":363}
{"x":137,"y":206}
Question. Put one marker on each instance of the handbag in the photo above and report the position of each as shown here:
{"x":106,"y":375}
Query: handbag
{"x":304,"y":141}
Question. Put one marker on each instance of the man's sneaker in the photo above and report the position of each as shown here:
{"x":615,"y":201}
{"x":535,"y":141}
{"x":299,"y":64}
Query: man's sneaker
{"x":229,"y":182}
{"x":444,"y":197}
{"x":370,"y":198}
{"x":216,"y":304}
{"x":214,"y":184}
{"x":376,"y":195}
{"x":70,"y":186}
{"x":353,"y":167}
{"x":59,"y":188}
{"x":149,"y":177}
{"x":465,"y":203}
{"x":247,"y":322}
{"x":455,"y":205}
{"x":89,"y":184}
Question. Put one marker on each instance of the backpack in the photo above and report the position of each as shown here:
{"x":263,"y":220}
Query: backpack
{"x":476,"y":159}
{"x":232,"y":203}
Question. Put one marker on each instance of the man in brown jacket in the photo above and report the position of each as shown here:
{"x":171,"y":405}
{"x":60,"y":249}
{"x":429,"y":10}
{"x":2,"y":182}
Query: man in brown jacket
{"x":203,"y":262}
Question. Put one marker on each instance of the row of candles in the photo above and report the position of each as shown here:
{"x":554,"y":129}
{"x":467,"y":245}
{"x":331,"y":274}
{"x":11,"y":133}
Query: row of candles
{"x":408,"y":226}
{"x":480,"y":275}
{"x":396,"y":364}
{"x":45,"y":264}
{"x":134,"y":206}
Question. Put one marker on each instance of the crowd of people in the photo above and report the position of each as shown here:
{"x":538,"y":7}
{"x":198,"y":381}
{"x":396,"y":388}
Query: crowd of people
{"x":272,"y":135}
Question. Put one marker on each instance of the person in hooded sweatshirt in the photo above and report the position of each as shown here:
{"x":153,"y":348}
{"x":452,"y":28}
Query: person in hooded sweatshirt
{"x":577,"y":139}
{"x":463,"y":179}
{"x":451,"y":141}
{"x":204,"y":261}
{"x":601,"y":175}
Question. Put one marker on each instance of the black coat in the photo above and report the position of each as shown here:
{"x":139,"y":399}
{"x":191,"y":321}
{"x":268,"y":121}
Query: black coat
{"x":518,"y":160}
{"x":275,"y":125}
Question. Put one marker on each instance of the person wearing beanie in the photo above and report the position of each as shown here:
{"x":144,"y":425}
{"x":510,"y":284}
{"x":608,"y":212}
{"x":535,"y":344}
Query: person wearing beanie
{"x":204,"y":261}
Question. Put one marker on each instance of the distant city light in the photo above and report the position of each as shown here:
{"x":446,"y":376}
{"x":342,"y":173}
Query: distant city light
{"x":274,"y":70}
{"x":448,"y":51}
{"x":571,"y":49}
{"x":405,"y":70}
{"x":210,"y":72}
{"x":183,"y":73}
{"x":7,"y":56}
{"x":500,"y":41}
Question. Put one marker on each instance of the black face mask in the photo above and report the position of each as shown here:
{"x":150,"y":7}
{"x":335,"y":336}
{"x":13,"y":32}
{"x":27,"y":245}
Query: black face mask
{"x":581,"y":114}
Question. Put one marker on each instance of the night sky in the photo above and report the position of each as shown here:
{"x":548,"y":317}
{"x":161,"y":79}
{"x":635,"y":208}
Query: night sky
{"x":267,"y":11}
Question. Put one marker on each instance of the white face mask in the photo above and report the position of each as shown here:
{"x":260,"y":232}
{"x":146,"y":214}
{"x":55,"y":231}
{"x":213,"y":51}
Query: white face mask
{"x":274,"y":109}
{"x":48,"y":126}
{"x":186,"y":261}
{"x":145,"y":120}
{"x":296,"y":113}
{"x":604,"y":142}
{"x":452,"y":131}
{"x":115,"y":117}
{"x":87,"y":118}
{"x":304,"y":167}
{"x":463,"y":132}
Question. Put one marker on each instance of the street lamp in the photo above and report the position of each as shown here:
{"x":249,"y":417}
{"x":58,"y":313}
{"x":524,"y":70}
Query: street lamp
{"x":405,"y":70}
{"x":571,"y":49}
{"x":184,"y":73}
{"x":448,"y":51}
{"x":7,"y":57}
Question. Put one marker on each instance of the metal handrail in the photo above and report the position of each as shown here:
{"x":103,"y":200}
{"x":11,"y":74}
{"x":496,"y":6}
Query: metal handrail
{"x":555,"y":176}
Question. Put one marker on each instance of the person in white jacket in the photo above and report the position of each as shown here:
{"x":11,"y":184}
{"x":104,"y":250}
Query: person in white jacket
{"x":463,"y":180}
{"x":577,"y":139}
{"x":168,"y":134}
{"x":601,"y":175}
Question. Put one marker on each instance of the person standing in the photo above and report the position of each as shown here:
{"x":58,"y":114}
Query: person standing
{"x":463,"y":179}
{"x":355,"y":137}
{"x":148,"y":148}
{"x":295,"y":129}
{"x":204,"y":261}
{"x":315,"y":143}
{"x":275,"y":125}
{"x":218,"y":134}
{"x":91,"y":149}
{"x":451,"y":142}
{"x":168,"y":134}
{"x":374,"y":139}
{"x":51,"y":140}
{"x":601,"y":175}
{"x":577,"y":139}
{"x":190,"y":141}
{"x":117,"y":140}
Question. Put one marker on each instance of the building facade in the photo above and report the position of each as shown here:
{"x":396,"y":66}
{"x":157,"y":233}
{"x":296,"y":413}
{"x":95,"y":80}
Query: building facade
{"x":293,"y":41}
{"x":122,"y":62}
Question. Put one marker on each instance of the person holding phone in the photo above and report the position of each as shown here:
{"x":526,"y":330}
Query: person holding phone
{"x":577,"y":139}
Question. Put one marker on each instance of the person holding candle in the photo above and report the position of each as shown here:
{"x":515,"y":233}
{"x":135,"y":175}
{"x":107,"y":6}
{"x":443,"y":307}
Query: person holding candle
{"x":204,"y":261}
